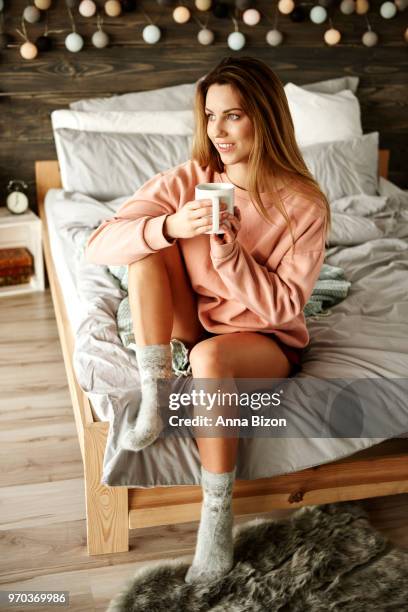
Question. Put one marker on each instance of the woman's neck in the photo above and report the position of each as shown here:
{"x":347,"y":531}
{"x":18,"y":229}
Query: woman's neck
{"x":238,"y":176}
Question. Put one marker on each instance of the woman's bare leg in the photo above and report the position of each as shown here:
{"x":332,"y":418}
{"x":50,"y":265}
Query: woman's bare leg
{"x":223,"y":358}
{"x":162,"y":305}
{"x":162,"y":301}
{"x":227,"y":356}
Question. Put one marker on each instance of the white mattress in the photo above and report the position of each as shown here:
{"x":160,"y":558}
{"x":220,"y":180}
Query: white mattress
{"x":64,"y":257}
{"x":61,"y":221}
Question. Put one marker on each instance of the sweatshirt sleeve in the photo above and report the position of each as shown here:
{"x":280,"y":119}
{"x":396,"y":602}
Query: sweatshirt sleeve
{"x":279,"y":295}
{"x":137,"y":228}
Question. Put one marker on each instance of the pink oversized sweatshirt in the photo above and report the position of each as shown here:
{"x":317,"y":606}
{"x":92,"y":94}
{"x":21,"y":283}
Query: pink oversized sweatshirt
{"x":252,"y":284}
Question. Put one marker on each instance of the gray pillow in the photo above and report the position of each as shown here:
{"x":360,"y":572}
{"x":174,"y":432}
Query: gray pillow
{"x":181,"y":97}
{"x":345,"y":167}
{"x":106,"y":165}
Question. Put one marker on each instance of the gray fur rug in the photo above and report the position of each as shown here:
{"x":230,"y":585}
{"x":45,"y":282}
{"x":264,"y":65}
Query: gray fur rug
{"x":321,"y":559}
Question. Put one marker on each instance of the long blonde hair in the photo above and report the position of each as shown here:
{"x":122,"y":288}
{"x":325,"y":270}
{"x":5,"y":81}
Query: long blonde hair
{"x":275,"y":152}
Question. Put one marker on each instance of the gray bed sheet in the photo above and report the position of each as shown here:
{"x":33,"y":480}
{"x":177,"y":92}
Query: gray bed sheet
{"x":365,"y":336}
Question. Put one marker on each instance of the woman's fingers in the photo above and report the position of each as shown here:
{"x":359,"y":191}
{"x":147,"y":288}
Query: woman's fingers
{"x":203,"y":222}
{"x":234,"y":222}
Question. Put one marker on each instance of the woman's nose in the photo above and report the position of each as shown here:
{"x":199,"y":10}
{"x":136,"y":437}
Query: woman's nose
{"x":219,"y":130}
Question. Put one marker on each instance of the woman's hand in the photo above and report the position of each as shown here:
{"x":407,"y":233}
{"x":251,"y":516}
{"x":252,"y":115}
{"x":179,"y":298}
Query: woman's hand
{"x":193,"y":219}
{"x":230,"y":232}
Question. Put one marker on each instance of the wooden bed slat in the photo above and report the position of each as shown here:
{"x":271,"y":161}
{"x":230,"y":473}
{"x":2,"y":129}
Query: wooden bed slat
{"x":383,"y":162}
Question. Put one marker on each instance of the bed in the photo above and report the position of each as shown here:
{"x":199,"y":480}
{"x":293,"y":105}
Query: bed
{"x":379,"y":469}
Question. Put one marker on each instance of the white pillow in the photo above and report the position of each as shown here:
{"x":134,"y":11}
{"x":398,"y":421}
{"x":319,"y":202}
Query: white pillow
{"x":176,"y":97}
{"x":126,"y":122}
{"x":319,"y":117}
{"x":181,"y":97}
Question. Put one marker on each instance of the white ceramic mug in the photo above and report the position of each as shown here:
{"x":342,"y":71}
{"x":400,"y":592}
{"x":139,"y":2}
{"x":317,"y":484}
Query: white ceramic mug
{"x":216,"y":192}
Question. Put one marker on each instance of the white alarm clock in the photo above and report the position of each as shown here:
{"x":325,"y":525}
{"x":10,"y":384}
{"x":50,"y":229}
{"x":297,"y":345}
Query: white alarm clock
{"x":17,"y":200}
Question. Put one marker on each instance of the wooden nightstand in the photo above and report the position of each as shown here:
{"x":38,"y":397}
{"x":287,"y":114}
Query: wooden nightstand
{"x":23,"y":231}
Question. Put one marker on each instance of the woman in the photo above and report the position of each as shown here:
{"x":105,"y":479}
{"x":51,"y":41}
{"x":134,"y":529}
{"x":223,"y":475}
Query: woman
{"x":251,"y":283}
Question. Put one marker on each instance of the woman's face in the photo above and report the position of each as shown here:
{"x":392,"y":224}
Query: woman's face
{"x":228,"y":124}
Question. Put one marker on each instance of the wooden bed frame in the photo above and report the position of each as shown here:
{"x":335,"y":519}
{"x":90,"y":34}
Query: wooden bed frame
{"x":112,"y":511}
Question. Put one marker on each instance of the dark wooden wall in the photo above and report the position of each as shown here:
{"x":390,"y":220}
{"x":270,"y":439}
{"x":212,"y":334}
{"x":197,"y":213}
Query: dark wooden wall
{"x":30,"y":90}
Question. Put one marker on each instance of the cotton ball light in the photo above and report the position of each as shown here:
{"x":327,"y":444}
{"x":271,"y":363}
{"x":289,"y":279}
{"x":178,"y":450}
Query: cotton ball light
{"x":28,"y":51}
{"x":369,"y":38}
{"x":203,"y":5}
{"x":318,"y":14}
{"x":113,"y":8}
{"x":87,"y":8}
{"x":43,"y":43}
{"x":236,"y":41}
{"x":362,"y":7}
{"x":286,"y":6}
{"x":151,"y":34}
{"x":205,"y":37}
{"x":74,"y":42}
{"x":332,"y":36}
{"x":31,"y":14}
{"x":100,"y":39}
{"x":251,"y":17}
{"x":1,"y":5}
{"x":347,"y":7}
{"x":181,"y":14}
{"x":43,"y":5}
{"x":388,"y":10}
{"x":274,"y":38}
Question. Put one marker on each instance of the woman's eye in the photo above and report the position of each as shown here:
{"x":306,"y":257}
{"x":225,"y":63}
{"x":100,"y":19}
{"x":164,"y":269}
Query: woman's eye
{"x":232,"y":116}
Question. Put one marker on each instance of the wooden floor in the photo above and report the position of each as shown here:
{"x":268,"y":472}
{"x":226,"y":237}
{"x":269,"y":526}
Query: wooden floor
{"x":42,"y":517}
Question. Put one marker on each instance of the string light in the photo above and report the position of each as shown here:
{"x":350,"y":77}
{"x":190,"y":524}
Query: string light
{"x":28,"y":50}
{"x":274,"y":37}
{"x":369,"y":38}
{"x":151,"y":33}
{"x":74,"y":41}
{"x":100,"y":39}
{"x":236,"y":40}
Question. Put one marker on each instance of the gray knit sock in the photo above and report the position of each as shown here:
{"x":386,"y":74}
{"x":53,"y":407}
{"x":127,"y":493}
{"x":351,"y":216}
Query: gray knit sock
{"x":214,"y":550}
{"x":154,"y":361}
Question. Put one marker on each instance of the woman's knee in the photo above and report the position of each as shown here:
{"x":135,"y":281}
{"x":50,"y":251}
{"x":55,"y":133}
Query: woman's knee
{"x":170,"y":257}
{"x":137,"y":270}
{"x":209,"y":358}
{"x":173,"y":260}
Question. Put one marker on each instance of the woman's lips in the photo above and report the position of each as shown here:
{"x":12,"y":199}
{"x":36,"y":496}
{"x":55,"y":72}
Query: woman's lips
{"x":224,"y":149}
